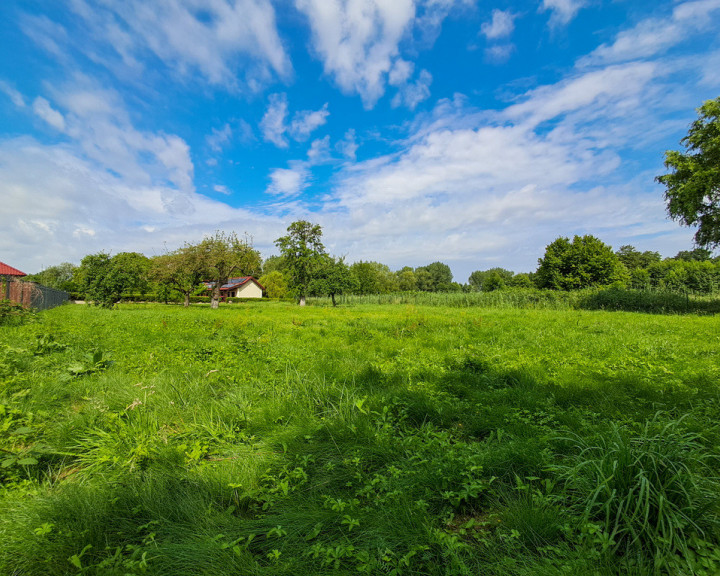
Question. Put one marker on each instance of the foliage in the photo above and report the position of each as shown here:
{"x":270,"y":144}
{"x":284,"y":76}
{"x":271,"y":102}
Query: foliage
{"x":332,"y":277}
{"x":633,"y":259}
{"x":275,"y":284}
{"x":301,"y":249}
{"x":103,"y":279}
{"x":11,"y":313}
{"x":692,"y":188}
{"x":225,"y":256}
{"x":60,"y":277}
{"x":489,"y":280}
{"x":583,"y":263}
{"x":648,"y":493}
{"x":372,"y":278}
{"x":182,"y":270}
{"x":435,"y":277}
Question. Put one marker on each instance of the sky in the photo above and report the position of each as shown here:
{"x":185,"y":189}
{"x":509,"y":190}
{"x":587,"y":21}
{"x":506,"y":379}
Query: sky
{"x":463,"y":131}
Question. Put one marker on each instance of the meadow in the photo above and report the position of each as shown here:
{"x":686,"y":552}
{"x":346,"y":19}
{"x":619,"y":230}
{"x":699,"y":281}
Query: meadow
{"x":268,"y":439}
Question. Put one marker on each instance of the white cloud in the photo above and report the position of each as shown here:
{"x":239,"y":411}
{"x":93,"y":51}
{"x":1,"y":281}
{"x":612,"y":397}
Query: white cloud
{"x":501,"y":25}
{"x":288,"y":181}
{"x":305,"y":122}
{"x":411,"y":94}
{"x":221,"y":189}
{"x":499,"y":53}
{"x":562,"y":11}
{"x":15,"y":96}
{"x":348,"y":145}
{"x":357,"y":40}
{"x":653,"y":36}
{"x":42,"y":109}
{"x":273,"y":122}
{"x":80,"y":207}
{"x":275,"y":128}
{"x":216,"y":39}
{"x":219,"y":138}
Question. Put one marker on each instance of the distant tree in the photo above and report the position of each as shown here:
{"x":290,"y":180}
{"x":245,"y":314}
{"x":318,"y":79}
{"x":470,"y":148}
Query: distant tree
{"x":275,"y":284}
{"x":104,"y":280}
{"x":582,"y":263}
{"x":60,"y":277}
{"x":692,"y":188}
{"x":332,"y":277}
{"x":440,"y":277}
{"x":372,"y":278}
{"x":424,"y":280}
{"x":406,"y":281}
{"x":273,"y":263}
{"x":633,"y":258}
{"x":521,"y":280}
{"x":225,"y":256}
{"x":488,"y":280}
{"x":301,"y":248}
{"x":182,"y":270}
{"x":696,"y":255}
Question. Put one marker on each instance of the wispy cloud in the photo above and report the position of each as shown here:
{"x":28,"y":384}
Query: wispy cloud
{"x":275,"y":128}
{"x":42,"y":109}
{"x":15,"y":96}
{"x":562,"y":11}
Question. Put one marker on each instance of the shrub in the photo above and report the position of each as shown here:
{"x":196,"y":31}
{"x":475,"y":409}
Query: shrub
{"x":11,"y":313}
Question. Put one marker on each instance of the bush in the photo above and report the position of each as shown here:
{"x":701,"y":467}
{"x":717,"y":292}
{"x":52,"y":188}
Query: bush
{"x":11,"y":313}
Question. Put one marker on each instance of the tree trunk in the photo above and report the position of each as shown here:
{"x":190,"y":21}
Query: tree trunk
{"x":215,"y":296}
{"x":187,"y":299}
{"x":302,"y":301}
{"x":332,"y":297}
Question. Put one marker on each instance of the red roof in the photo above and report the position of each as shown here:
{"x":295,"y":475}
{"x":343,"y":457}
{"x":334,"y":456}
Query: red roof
{"x":6,"y":270}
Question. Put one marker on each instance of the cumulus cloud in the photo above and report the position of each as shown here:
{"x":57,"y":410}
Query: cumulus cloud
{"x":562,"y":11}
{"x":348,"y":145}
{"x":411,"y":94}
{"x":288,"y":181}
{"x":501,"y":25}
{"x":499,"y":53}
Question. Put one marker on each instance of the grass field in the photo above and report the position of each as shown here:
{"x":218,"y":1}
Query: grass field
{"x":266,"y":439}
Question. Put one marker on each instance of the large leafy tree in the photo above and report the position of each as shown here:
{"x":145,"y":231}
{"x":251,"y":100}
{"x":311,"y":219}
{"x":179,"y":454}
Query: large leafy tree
{"x":438,"y":278}
{"x":225,"y":256}
{"x":182,"y":270}
{"x":104,"y":280}
{"x":332,"y":277}
{"x":692,"y":188}
{"x":583,"y":263}
{"x":302,"y":249}
{"x":489,"y":280}
{"x":60,"y":277}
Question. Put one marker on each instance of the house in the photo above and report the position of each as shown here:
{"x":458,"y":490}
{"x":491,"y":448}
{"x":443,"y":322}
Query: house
{"x":6,"y":270}
{"x":244,"y":287}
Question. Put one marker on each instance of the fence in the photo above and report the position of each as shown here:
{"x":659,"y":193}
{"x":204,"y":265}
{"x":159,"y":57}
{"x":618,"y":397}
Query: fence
{"x":30,"y":294}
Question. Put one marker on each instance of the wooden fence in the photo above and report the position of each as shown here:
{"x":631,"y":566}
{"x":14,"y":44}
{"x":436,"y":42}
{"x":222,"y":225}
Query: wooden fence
{"x":31,"y":294}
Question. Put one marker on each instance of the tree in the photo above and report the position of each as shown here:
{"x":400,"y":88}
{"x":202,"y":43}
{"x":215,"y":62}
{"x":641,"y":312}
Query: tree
{"x":60,"y":277}
{"x":406,"y":280}
{"x":275,"y":284}
{"x":582,"y":263}
{"x":332,"y":277}
{"x":633,"y":258}
{"x":696,"y":255}
{"x":489,"y":280}
{"x":439,"y":279}
{"x":104,"y":279}
{"x":182,"y":270}
{"x":692,"y":189}
{"x":225,"y":256}
{"x":301,"y":248}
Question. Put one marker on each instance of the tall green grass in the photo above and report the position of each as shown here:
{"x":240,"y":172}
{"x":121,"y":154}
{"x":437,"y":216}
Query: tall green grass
{"x":271,"y":439}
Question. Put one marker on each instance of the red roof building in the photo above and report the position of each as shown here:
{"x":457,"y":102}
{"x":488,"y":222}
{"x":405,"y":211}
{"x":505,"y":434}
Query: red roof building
{"x":6,"y":270}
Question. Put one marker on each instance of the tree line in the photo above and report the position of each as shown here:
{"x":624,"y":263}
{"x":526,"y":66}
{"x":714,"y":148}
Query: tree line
{"x":303,"y":268}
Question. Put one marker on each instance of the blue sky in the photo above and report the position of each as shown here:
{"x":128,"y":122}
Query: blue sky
{"x":474,"y":133}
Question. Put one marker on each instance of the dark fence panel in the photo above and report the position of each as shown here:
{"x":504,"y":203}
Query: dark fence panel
{"x":31,"y":295}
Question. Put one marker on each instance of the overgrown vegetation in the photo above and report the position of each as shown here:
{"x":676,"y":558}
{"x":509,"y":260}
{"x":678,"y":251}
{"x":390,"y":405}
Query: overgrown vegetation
{"x":268,"y":439}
